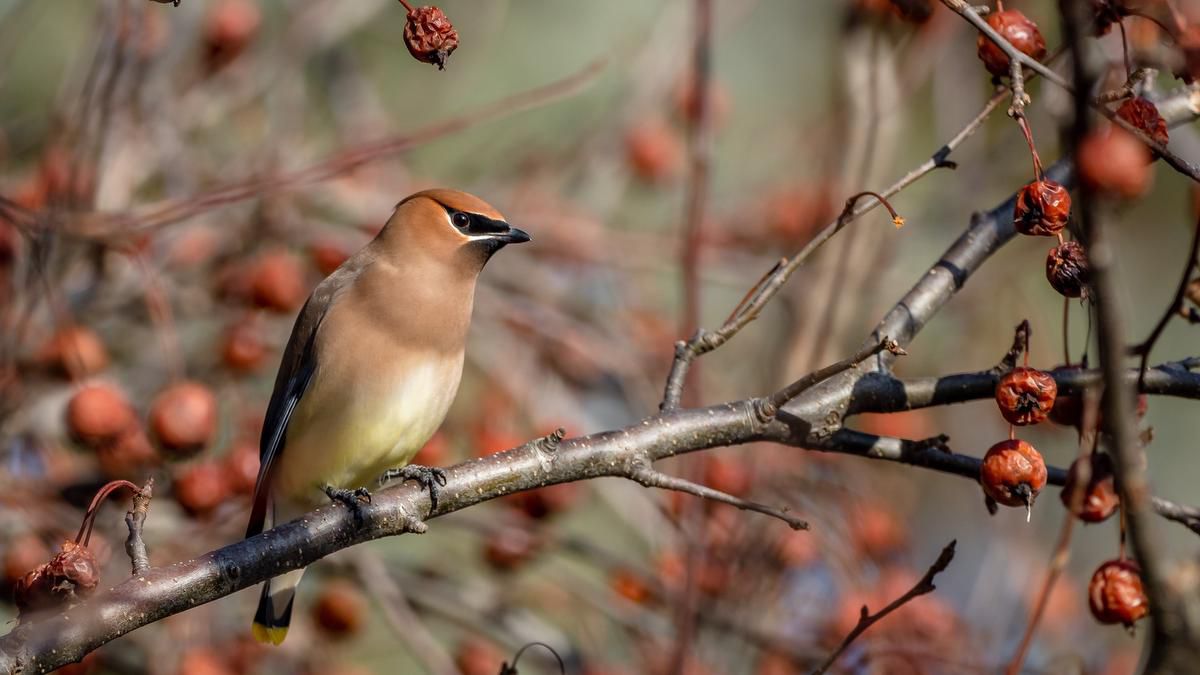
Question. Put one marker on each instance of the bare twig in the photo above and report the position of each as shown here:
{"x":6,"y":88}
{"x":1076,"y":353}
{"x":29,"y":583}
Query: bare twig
{"x":866,"y":619}
{"x":1144,"y":348}
{"x":649,"y":477}
{"x":135,"y":518}
{"x":966,"y":11}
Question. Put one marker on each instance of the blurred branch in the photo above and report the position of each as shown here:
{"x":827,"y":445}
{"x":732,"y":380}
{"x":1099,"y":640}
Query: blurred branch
{"x":1144,"y":348}
{"x":866,"y":620}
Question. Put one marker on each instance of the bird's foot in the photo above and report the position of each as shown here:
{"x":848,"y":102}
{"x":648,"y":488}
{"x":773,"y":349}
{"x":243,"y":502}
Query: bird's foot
{"x":352,"y":499}
{"x":430,"y":477}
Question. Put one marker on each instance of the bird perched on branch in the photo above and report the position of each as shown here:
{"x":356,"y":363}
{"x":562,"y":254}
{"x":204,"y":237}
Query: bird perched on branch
{"x":371,"y":368}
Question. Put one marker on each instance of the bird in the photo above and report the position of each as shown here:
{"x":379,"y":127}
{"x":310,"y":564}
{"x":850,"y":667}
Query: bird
{"x":372,"y":365}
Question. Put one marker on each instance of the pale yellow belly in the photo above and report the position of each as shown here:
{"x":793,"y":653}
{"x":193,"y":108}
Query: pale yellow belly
{"x":350,"y":428}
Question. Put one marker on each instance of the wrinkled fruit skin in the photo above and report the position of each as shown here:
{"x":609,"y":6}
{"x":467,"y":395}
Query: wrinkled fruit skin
{"x":1043,"y":208}
{"x":1019,"y":30}
{"x":1025,"y":396}
{"x":1100,"y":498}
{"x":1143,"y":115}
{"x":70,"y":573}
{"x":1013,"y":473}
{"x":429,"y":36}
{"x":1068,"y":270}
{"x":1115,"y":594}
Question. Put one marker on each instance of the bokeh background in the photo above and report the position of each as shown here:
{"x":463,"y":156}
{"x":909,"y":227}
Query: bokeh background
{"x":117,"y":108}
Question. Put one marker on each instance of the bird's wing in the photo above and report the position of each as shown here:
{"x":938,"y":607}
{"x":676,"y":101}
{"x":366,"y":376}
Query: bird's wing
{"x":295,"y":371}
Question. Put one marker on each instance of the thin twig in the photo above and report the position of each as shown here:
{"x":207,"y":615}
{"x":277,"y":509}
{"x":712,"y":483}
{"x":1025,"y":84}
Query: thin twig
{"x":135,"y":518}
{"x":866,"y":619}
{"x":771,"y":405}
{"x":1146,"y":346}
{"x":652,"y":478}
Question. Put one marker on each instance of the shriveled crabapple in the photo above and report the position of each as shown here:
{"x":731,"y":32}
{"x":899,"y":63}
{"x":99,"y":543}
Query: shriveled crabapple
{"x":1013,"y":473}
{"x":1020,"y":31}
{"x":1025,"y":396}
{"x":1116,"y":595}
{"x":1043,"y":208}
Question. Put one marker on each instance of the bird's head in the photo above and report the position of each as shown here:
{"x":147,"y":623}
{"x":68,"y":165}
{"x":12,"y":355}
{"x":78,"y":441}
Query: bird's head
{"x":450,"y":226}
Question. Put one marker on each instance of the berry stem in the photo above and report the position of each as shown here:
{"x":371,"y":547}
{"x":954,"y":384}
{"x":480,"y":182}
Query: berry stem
{"x":89,"y":517}
{"x":897,"y":219}
{"x":407,"y":6}
{"x":1037,"y":161}
{"x":1125,"y":50}
{"x":1066,"y":328}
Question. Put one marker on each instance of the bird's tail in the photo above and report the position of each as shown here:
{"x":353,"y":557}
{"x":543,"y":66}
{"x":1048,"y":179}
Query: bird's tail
{"x":275,"y":608}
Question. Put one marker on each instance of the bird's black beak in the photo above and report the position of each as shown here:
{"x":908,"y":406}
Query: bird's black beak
{"x":512,"y":236}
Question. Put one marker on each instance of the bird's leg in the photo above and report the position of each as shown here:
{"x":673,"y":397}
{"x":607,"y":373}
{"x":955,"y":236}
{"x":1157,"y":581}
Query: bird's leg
{"x":430,"y":477}
{"x":352,"y":499}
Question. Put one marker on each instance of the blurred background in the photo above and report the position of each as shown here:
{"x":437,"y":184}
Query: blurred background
{"x":142,"y":325}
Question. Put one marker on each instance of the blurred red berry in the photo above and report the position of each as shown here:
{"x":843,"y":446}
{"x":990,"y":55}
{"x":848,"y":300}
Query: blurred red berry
{"x":477,"y":656}
{"x":98,"y":415}
{"x":128,"y":457}
{"x":547,"y":501}
{"x":22,"y":554}
{"x":183,"y":418}
{"x":508,"y":548}
{"x":203,"y":661}
{"x":1013,"y":473}
{"x":1025,"y":396}
{"x":75,"y":351}
{"x":1068,"y":269}
{"x":241,"y":467}
{"x":229,"y":27}
{"x":435,"y":452}
{"x":1143,"y":115}
{"x":340,"y":609}
{"x":70,"y":575}
{"x":200,"y":488}
{"x":429,"y":36}
{"x":654,"y":151}
{"x":1115,"y":593}
{"x":1020,"y":31}
{"x":1114,"y":162}
{"x":277,"y":282}
{"x":727,"y":474}
{"x":876,"y":531}
{"x":1043,"y":208}
{"x":630,"y":585}
{"x":1099,"y":499}
{"x":687,"y":103}
{"x":243,"y":347}
{"x":327,"y":255}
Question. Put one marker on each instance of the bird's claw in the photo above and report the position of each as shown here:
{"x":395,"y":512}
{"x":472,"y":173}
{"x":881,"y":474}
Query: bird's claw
{"x":429,"y":477}
{"x":353,"y":499}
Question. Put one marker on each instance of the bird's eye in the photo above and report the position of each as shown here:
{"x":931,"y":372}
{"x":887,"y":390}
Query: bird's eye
{"x":460,"y":219}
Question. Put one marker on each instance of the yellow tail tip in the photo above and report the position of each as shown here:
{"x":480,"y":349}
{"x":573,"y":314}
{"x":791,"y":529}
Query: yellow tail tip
{"x":268,"y":634}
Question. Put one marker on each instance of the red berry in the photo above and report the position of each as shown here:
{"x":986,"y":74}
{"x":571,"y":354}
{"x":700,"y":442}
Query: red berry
{"x":630,"y":585}
{"x":241,"y":467}
{"x":1025,"y":396}
{"x":1013,"y":473}
{"x":1019,"y":30}
{"x":1115,"y":162}
{"x":243,"y":348}
{"x":201,"y":488}
{"x":277,"y":282}
{"x":654,"y":151}
{"x":1143,"y":115}
{"x":429,"y":36}
{"x":476,"y":656}
{"x":70,"y":575}
{"x":1099,"y":499}
{"x":340,"y":609}
{"x":202,"y":661}
{"x":1043,"y":208}
{"x":228,"y":29}
{"x":876,"y":532}
{"x":1115,"y":594}
{"x":127,"y":457}
{"x":687,"y":103}
{"x":183,"y":418}
{"x":510,"y":547}
{"x":75,"y":351}
{"x":1068,"y":270}
{"x":328,"y":255}
{"x":98,"y":415}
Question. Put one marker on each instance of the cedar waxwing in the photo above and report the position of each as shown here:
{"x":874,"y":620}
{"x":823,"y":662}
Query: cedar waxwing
{"x":371,"y":368}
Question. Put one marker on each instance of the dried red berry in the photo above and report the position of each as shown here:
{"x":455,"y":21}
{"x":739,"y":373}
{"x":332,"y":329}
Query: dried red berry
{"x":1067,"y":269}
{"x":1043,"y":208}
{"x":277,"y":282}
{"x":1013,"y":473}
{"x":654,"y":151}
{"x":98,"y":415}
{"x":1100,"y":498}
{"x":1025,"y":396}
{"x":1019,"y":30}
{"x":1115,"y":162}
{"x":340,"y":609}
{"x":201,"y":488}
{"x":71,"y":573}
{"x":1143,"y":115}
{"x":1068,"y":409}
{"x":183,"y":418}
{"x":1115,"y":593}
{"x":429,"y":36}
